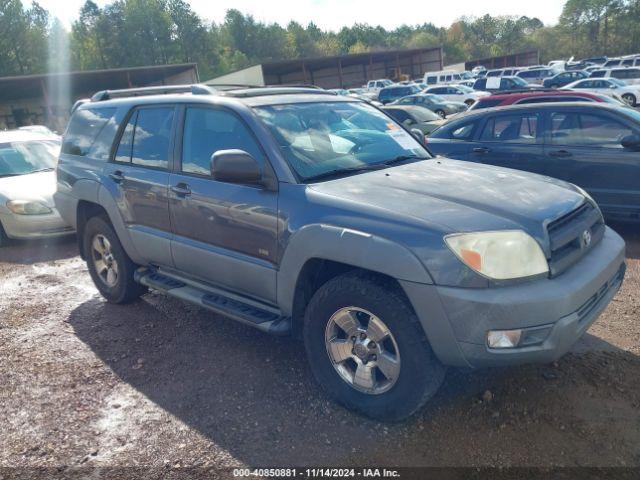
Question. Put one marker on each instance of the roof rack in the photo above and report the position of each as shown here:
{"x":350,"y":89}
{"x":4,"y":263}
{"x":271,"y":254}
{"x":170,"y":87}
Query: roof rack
{"x":197,"y":89}
{"x":275,"y":90}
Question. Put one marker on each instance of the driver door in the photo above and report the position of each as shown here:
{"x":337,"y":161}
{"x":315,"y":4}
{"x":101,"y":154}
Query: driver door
{"x":584,"y":147}
{"x":224,"y":233}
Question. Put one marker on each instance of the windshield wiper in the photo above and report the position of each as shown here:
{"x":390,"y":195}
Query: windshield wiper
{"x":340,"y":171}
{"x":402,"y":158}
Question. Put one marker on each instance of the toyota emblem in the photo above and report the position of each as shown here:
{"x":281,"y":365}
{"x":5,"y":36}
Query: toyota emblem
{"x":586,"y":239}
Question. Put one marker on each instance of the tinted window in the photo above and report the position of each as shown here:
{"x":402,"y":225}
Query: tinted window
{"x":480,"y":84}
{"x":587,"y":130}
{"x":207,"y":131}
{"x":627,"y":73}
{"x":461,"y":132}
{"x":85,"y":126}
{"x":628,"y":62}
{"x":432,"y":80}
{"x":437,"y":90}
{"x":399,"y":115}
{"x":511,"y":128}
{"x":482,"y":103}
{"x":146,"y":138}
{"x":528,"y":74}
{"x":598,"y":74}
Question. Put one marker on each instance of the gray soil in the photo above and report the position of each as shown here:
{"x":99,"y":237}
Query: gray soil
{"x":163,"y":383}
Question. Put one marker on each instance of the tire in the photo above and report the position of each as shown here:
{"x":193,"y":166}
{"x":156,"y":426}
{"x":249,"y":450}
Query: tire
{"x":630,"y":99}
{"x":469,"y":102}
{"x":4,"y":240}
{"x":419,"y":373}
{"x":119,"y":289}
{"x":441,"y":113}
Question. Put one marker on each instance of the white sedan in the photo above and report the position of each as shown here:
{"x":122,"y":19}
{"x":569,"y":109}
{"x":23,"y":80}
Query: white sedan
{"x":457,"y":93}
{"x":27,"y":184}
{"x":613,"y":87}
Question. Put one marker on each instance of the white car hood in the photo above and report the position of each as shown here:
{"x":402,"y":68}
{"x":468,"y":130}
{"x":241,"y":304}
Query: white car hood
{"x":34,"y":186}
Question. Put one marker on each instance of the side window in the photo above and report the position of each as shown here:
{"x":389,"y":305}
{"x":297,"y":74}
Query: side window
{"x":598,"y":74}
{"x":587,"y":130}
{"x":586,"y":84}
{"x":151,"y":137}
{"x":399,"y":115}
{"x":511,"y":128}
{"x":85,"y":126}
{"x":432,"y":80}
{"x":437,"y":91}
{"x":463,"y":132}
{"x":123,"y":152}
{"x":207,"y":130}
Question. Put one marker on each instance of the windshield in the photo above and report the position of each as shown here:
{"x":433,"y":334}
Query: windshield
{"x":519,"y":81}
{"x":434,"y":98}
{"x":464,"y":88}
{"x":615,"y":81}
{"x":320,"y":138}
{"x":422,"y":114}
{"x":21,"y":158}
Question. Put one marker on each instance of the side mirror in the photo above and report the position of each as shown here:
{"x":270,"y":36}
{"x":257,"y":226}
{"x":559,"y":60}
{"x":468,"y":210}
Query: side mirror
{"x":418,"y":135}
{"x":631,"y":142}
{"x":235,"y":166}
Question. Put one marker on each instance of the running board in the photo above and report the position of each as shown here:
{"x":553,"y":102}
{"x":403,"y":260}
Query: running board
{"x":263,"y":318}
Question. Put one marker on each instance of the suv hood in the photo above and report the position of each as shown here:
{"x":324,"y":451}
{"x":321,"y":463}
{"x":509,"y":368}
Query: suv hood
{"x":461,"y":196}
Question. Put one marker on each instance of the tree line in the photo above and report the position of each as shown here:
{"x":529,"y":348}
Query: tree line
{"x":126,"y":33}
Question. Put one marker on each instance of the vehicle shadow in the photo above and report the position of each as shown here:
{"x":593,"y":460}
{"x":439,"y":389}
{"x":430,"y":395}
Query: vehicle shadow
{"x":28,"y":252}
{"x":254,"y":395}
{"x":631,"y":234}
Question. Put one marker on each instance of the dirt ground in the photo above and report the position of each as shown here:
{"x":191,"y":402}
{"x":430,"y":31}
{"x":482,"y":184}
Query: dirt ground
{"x":162,"y":383}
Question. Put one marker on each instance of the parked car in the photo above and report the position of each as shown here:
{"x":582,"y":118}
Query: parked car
{"x":608,"y":86}
{"x":415,"y":116}
{"x":596,"y":60}
{"x":457,"y":93}
{"x":594,"y":145}
{"x":500,"y":84}
{"x":27,"y":182}
{"x":435,"y":103}
{"x":564,"y":78}
{"x":478,"y":69}
{"x":446,"y":77}
{"x":393,"y":93}
{"x":538,"y":75}
{"x":375,"y":86}
{"x":541,"y":96}
{"x":466,"y":83}
{"x":389,"y":264}
{"x":630,"y":76}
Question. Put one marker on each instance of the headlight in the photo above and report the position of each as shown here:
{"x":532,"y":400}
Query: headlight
{"x":499,"y":255}
{"x":25,"y":207}
{"x":585,"y":194}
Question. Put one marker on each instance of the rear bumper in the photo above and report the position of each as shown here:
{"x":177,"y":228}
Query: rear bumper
{"x":34,"y":226}
{"x":456,"y":320}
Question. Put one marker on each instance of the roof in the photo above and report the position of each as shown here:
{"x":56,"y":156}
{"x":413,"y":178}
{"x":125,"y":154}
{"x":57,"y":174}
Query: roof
{"x":528,"y":106}
{"x":81,"y":82}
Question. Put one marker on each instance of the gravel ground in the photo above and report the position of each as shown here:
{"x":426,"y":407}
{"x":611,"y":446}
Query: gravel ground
{"x":162,"y":383}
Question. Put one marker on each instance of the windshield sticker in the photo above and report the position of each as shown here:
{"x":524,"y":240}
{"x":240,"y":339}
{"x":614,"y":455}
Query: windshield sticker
{"x":403,"y":139}
{"x":391,"y":126}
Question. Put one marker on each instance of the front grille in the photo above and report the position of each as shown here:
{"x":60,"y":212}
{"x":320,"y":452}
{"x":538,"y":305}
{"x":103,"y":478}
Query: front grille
{"x":567,"y":237}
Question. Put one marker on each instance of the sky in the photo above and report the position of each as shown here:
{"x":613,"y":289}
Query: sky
{"x":334,"y":14}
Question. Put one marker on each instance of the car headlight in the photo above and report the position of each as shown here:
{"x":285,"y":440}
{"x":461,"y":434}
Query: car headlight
{"x":499,"y":255}
{"x":26,"y":207}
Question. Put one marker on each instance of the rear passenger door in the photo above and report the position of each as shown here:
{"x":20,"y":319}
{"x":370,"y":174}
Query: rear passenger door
{"x":583,"y":147}
{"x":511,"y":140}
{"x":139,"y":173}
{"x":224,"y":233}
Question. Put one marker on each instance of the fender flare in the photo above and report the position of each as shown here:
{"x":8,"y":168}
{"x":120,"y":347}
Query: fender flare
{"x":344,"y":245}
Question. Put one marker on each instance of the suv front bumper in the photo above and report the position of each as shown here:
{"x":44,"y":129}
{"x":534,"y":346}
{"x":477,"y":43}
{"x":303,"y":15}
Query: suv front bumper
{"x":457,"y":320}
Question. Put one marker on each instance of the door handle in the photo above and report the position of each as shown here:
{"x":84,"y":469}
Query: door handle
{"x":560,"y":154}
{"x":116,"y":176}
{"x":181,"y":190}
{"x":481,"y":150}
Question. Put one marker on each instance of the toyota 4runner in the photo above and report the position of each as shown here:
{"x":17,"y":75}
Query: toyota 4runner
{"x":296,"y":211}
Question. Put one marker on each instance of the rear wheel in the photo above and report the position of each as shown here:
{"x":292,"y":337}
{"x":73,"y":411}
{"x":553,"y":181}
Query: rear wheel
{"x":110,"y":267}
{"x":367,"y":349}
{"x":469,"y":102}
{"x":629,"y":99}
{"x":441,"y":113}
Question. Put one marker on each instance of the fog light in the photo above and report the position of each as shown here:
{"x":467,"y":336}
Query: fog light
{"x":504,"y":338}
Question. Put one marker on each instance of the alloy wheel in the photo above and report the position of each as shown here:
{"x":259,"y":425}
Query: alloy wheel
{"x":362,"y":350}
{"x":103,"y":260}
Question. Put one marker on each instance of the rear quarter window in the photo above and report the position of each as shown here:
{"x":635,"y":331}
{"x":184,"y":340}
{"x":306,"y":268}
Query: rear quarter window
{"x":488,"y":103}
{"x":461,"y":131}
{"x":85,"y":127}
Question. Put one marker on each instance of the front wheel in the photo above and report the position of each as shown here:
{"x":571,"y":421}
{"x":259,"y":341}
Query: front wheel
{"x":629,"y":99}
{"x":441,"y":113}
{"x":109,"y":265}
{"x":367,"y":349}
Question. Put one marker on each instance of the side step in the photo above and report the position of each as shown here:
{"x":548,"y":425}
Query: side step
{"x":262,"y":317}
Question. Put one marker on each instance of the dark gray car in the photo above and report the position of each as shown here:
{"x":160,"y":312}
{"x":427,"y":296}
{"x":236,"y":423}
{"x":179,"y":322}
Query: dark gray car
{"x":443,"y":108}
{"x":299,"y":212}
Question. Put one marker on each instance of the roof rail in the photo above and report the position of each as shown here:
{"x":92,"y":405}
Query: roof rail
{"x":196,"y":89}
{"x":524,"y":90}
{"x":275,"y":90}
